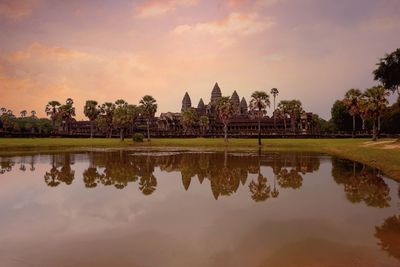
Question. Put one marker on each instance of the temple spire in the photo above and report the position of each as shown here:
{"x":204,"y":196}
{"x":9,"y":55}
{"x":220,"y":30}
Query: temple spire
{"x":186,"y":102}
{"x":243,"y":107}
{"x":215,"y":94}
{"x":236,"y":102}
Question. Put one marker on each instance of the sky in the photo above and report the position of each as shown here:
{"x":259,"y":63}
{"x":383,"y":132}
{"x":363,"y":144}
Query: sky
{"x":311,"y":50}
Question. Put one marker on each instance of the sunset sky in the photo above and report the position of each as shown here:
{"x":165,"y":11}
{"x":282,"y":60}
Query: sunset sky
{"x":311,"y":50}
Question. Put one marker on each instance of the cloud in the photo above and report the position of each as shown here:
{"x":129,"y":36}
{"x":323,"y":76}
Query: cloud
{"x":16,"y":9}
{"x":234,"y":23}
{"x":154,"y":8}
{"x":38,"y":50}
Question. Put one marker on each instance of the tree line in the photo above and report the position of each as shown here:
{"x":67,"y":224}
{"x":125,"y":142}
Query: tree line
{"x":369,"y":108}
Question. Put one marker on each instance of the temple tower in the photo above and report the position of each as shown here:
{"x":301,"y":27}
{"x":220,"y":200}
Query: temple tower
{"x":215,"y":94}
{"x":243,"y":107}
{"x":201,"y":108}
{"x":236,"y":102}
{"x":186,"y":102}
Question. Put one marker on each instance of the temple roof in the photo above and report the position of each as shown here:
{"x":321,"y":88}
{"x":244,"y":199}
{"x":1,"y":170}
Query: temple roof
{"x":216,"y":93}
{"x":243,"y":106}
{"x":235,"y":98}
{"x":186,"y":102}
{"x":201,"y":104}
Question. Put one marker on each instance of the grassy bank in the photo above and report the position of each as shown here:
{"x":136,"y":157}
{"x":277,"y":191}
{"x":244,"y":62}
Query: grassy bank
{"x":384,"y":154}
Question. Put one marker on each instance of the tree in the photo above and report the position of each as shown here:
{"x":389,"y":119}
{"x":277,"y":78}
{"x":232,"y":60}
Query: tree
{"x":188,"y":118}
{"x":52,"y":111}
{"x":258,"y":108}
{"x":340,"y":118}
{"x":274,"y":93}
{"x":376,"y":102}
{"x":122,"y":117}
{"x":23,"y":113}
{"x":33,"y":114}
{"x":293,"y":109}
{"x":92,"y":111}
{"x":133,"y":113}
{"x":106,"y":116}
{"x":225,"y":111}
{"x":352,"y":102}
{"x":204,"y":122}
{"x":388,"y":71}
{"x":148,"y":107}
{"x":66,"y":112}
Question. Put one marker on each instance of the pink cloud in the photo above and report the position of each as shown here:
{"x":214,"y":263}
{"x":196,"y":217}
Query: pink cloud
{"x":154,"y":8}
{"x":16,"y":9}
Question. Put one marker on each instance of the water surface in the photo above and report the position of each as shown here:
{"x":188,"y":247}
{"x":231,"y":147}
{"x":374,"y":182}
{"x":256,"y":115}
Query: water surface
{"x":176,"y":208}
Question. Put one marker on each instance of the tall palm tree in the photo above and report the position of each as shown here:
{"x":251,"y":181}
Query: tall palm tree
{"x":204,"y":122}
{"x":294,"y":110}
{"x":107,"y":111}
{"x":352,"y":102}
{"x":67,"y":111}
{"x":3,"y":110}
{"x":283,"y":111}
{"x":225,"y":111}
{"x":274,"y":93}
{"x":92,"y":111}
{"x":148,"y":107}
{"x":23,"y":113}
{"x":33,"y":114}
{"x":52,"y":111}
{"x":376,"y":102}
{"x":121,"y":117}
{"x":258,"y":108}
{"x":188,"y":118}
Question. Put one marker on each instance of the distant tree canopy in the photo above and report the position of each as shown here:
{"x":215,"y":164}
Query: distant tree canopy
{"x":388,"y":71}
{"x":341,"y":119}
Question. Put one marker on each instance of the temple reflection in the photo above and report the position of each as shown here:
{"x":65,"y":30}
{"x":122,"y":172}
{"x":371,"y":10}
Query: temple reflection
{"x":225,"y":172}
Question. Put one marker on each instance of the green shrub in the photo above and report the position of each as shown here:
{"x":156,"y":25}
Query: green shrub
{"x":138,"y":137}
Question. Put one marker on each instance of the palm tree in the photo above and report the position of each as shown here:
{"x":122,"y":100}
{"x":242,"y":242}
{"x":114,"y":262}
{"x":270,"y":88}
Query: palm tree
{"x":204,"y":122}
{"x":294,"y":109}
{"x":52,"y":111}
{"x":133,"y":114}
{"x":352,"y":101}
{"x":225,"y":111}
{"x":33,"y":114}
{"x":67,"y":111}
{"x":376,"y":102}
{"x":258,"y":108}
{"x":388,"y":71}
{"x":3,"y":110}
{"x":92,"y":111}
{"x":23,"y":113}
{"x":274,"y":93}
{"x":121,"y":117}
{"x":107,"y":111}
{"x":283,"y":111}
{"x":148,"y":108}
{"x":188,"y":118}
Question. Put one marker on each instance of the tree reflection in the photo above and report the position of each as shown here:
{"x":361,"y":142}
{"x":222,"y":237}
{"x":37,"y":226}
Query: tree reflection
{"x":225,"y":172}
{"x":361,"y":183}
{"x":290,"y":179}
{"x":60,"y":171}
{"x":389,"y":236}
{"x":259,"y":189}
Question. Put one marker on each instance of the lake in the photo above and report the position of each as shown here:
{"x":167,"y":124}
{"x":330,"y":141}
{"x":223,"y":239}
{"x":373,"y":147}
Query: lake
{"x":200,"y":208}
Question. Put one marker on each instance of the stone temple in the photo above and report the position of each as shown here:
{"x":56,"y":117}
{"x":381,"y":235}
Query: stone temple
{"x":241,"y":123}
{"x":169,"y":124}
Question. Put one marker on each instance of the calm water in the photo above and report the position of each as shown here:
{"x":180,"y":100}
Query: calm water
{"x":126,"y":208}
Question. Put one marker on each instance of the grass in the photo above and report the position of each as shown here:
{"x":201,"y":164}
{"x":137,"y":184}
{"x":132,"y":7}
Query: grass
{"x":388,"y":160}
